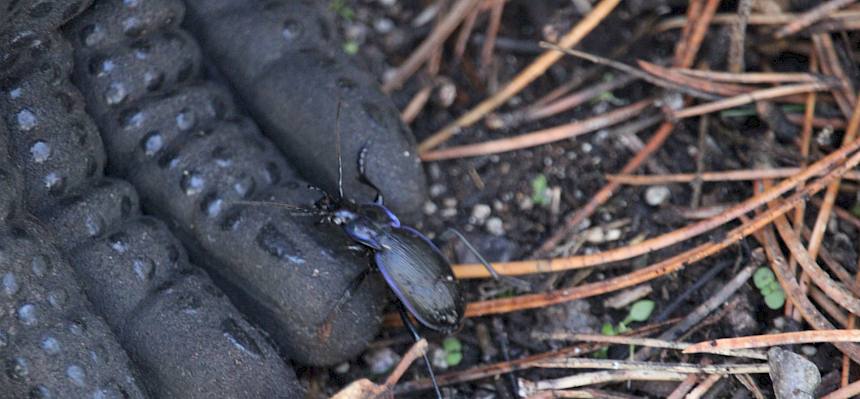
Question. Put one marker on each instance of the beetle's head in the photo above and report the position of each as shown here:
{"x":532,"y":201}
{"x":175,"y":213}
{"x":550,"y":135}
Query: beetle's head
{"x":343,"y":216}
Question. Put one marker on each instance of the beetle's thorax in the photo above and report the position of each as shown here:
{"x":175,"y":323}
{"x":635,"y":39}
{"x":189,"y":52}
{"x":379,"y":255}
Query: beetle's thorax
{"x":365,"y":223}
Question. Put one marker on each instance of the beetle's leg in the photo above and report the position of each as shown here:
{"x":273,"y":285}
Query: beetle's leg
{"x":417,"y":337}
{"x":362,"y":176}
{"x":516,"y":282}
{"x":325,"y":327}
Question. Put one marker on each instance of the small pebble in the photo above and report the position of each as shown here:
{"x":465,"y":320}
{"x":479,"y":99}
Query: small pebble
{"x":430,"y":208}
{"x":656,"y":195}
{"x":779,"y":322}
{"x":449,"y":212}
{"x":446,"y":93}
{"x":526,"y":203}
{"x":480,"y":213}
{"x":449,"y":202}
{"x":342,"y":368}
{"x":809,"y":350}
{"x":824,"y":138}
{"x":381,"y":360}
{"x":495,"y":226}
{"x":383,"y":25}
{"x":437,"y":358}
{"x":437,"y":190}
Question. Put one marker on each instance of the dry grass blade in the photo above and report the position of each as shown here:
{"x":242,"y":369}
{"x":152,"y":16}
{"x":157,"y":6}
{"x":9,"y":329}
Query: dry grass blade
{"x":768,"y":340}
{"x":532,"y":72}
{"x":424,"y":51}
{"x":540,"y":137}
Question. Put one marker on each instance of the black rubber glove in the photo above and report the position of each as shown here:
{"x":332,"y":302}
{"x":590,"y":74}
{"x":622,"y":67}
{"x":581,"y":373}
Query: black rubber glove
{"x":179,"y":139}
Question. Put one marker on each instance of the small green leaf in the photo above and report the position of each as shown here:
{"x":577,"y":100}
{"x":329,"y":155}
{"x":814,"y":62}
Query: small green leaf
{"x":453,"y":358}
{"x":601,"y":353}
{"x":608,"y":329}
{"x":452,"y":345}
{"x":762,"y":277}
{"x":350,"y":47}
{"x":641,"y":310}
{"x":539,"y":186}
{"x":341,"y":8}
{"x":622,"y":327}
{"x":775,"y":299}
{"x":766,"y":290}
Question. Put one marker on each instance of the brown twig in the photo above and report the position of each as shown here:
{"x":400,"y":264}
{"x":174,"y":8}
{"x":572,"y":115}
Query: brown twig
{"x":540,"y":137}
{"x":810,"y":17}
{"x":846,"y":392}
{"x":746,"y":98}
{"x":526,"y":76}
{"x":646,"y":342}
{"x":752,"y":77}
{"x":496,"y":10}
{"x":830,"y":64}
{"x":805,"y":140}
{"x":598,"y":377}
{"x":703,"y":387}
{"x":706,"y":86}
{"x":465,"y":31}
{"x":433,"y":41}
{"x":768,"y":340}
{"x":575,"y":99}
{"x":725,"y":176}
{"x":365,"y":389}
{"x":738,"y":36}
{"x":685,"y":386}
{"x":587,"y":363}
{"x":416,"y":104}
{"x":647,"y":74}
{"x":840,"y":17}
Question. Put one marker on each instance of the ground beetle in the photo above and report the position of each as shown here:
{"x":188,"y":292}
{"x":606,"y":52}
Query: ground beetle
{"x":414,"y":268}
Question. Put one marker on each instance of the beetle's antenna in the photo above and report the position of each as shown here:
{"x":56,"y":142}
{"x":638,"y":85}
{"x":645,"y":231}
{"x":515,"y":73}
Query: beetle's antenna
{"x":298,"y":210}
{"x":417,"y":337}
{"x":339,"y":154}
{"x":518,"y":283}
